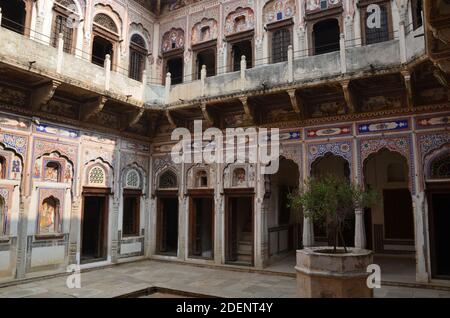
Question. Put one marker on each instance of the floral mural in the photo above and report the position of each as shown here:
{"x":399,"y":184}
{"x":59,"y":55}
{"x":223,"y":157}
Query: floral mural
{"x":277,"y":10}
{"x":313,"y":5}
{"x":242,"y":19}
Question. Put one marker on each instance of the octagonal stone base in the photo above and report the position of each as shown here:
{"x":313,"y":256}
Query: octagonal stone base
{"x":324,"y":275}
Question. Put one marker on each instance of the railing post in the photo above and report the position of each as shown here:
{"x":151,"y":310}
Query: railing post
{"x":243,"y":68}
{"x":167,"y":86}
{"x":0,"y":15}
{"x":107,"y":71}
{"x":202,"y":78}
{"x":290,"y":57}
{"x":343,"y":53}
{"x":60,"y":47}
{"x":402,"y":41}
{"x":143,"y":85}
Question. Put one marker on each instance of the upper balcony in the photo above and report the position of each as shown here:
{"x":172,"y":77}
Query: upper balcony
{"x":351,"y":60}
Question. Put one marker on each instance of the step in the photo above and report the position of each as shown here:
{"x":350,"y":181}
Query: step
{"x":245,"y":247}
{"x":246,"y":236}
{"x":244,"y":258}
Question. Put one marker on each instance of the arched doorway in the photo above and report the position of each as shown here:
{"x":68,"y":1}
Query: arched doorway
{"x":167,"y":214}
{"x":138,"y":55}
{"x":282,"y":220}
{"x":13,"y":15}
{"x":106,"y":38}
{"x":438,"y":195}
{"x":325,"y":36}
{"x":337,"y":166}
{"x":390,"y":224}
{"x":206,"y":57}
{"x":100,"y":48}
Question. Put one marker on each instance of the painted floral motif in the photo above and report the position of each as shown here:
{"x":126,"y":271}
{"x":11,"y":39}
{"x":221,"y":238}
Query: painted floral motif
{"x":17,"y":143}
{"x":312,"y":5}
{"x":242,"y":19}
{"x":278,"y":10}
{"x":342,"y":149}
{"x":430,"y":142}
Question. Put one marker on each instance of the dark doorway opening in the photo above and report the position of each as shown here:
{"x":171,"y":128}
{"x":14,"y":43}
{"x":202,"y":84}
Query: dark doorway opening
{"x":239,"y":242}
{"x":131,"y":211}
{"x":398,"y":206}
{"x":326,"y":35}
{"x":94,"y":228}
{"x":439,"y":218}
{"x":167,"y":231}
{"x":207,"y":58}
{"x":239,"y":49}
{"x":13,"y":15}
{"x":201,"y":227}
{"x":101,"y":47}
{"x":175,"y":67}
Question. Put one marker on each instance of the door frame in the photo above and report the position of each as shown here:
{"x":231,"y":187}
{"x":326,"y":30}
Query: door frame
{"x":103,"y":193}
{"x":165,"y":194}
{"x":200,"y":194}
{"x":238,"y":193}
{"x":432,"y":188}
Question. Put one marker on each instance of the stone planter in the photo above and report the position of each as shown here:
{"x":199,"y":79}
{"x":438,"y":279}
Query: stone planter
{"x":327,"y":275}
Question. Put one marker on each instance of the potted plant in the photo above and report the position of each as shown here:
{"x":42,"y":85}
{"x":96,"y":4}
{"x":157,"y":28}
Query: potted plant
{"x":332,"y":271}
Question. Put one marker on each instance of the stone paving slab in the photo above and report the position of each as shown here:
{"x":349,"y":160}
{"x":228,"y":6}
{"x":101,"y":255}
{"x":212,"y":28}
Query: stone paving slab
{"x":127,"y":278}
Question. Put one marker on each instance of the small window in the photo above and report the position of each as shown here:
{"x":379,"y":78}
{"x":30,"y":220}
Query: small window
{"x":61,"y":25}
{"x":239,"y":23}
{"x":202,"y":179}
{"x":323,"y":4}
{"x":130,"y":225}
{"x":281,"y":39}
{"x":417,"y":12}
{"x":205,"y":33}
{"x":52,"y":171}
{"x":381,"y":34}
{"x":138,"y":53}
{"x":440,"y":167}
{"x":49,"y":218}
{"x":168,"y":180}
{"x":97,"y":176}
{"x":2,"y":167}
{"x":132,"y":179}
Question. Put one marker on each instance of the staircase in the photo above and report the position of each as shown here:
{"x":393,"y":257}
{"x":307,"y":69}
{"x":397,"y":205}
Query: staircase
{"x":245,"y":248}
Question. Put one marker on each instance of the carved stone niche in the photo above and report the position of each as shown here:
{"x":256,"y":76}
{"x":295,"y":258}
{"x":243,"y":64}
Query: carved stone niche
{"x":200,"y":176}
{"x":239,"y":175}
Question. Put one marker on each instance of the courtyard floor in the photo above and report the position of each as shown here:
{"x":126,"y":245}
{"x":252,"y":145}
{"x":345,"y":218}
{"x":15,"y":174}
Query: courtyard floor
{"x":128,"y":278}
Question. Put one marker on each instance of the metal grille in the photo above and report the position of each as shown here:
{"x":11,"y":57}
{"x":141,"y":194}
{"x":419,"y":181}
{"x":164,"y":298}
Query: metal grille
{"x":61,"y":26}
{"x":375,"y":35}
{"x":168,"y":180}
{"x":136,"y":64}
{"x":440,"y":168}
{"x":281,"y":39}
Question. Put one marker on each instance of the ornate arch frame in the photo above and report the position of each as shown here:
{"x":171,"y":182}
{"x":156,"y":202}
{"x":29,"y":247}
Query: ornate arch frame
{"x":342,"y":149}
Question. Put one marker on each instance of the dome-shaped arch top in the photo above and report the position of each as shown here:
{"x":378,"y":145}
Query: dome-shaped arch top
{"x":106,"y":22}
{"x":440,"y":167}
{"x":168,"y":180}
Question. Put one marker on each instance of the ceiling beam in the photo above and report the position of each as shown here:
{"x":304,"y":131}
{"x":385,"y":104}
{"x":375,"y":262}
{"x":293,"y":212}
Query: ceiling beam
{"x":91,"y":108}
{"x":42,"y":94}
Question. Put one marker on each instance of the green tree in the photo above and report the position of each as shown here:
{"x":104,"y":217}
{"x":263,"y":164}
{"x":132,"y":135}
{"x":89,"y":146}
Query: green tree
{"x":331,"y":200}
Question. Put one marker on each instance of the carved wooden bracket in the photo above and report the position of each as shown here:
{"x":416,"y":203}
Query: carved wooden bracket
{"x":171,"y":119}
{"x":248,"y":110}
{"x":91,"y":108}
{"x":42,"y":94}
{"x":408,"y":86}
{"x":349,"y":97}
{"x":207,"y":114}
{"x":296,"y":102}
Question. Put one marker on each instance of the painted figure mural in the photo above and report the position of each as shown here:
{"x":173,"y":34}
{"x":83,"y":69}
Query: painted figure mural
{"x":242,"y":19}
{"x":48,"y":216}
